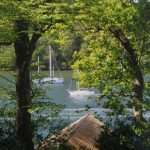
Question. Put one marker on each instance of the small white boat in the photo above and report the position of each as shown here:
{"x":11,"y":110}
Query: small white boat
{"x":82,"y":92}
{"x":53,"y":80}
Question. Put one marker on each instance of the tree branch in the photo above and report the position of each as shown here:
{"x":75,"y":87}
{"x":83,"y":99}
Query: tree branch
{"x":7,"y":79}
{"x":5,"y":43}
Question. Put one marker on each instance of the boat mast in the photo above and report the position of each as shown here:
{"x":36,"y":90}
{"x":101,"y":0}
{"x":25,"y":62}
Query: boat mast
{"x":53,"y":70}
{"x":50,"y":61}
{"x":38,"y":65}
{"x":78,"y":81}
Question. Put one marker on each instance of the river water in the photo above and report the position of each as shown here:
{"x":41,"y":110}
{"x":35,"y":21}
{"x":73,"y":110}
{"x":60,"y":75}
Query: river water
{"x":73,"y":105}
{"x":60,"y":95}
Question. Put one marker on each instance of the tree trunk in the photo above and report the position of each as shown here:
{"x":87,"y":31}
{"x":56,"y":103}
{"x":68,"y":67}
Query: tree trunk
{"x":138,"y":83}
{"x":23,"y":50}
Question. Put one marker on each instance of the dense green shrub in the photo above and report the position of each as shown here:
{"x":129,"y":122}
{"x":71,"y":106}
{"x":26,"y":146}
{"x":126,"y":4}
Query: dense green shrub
{"x":125,"y":134}
{"x":7,"y":135}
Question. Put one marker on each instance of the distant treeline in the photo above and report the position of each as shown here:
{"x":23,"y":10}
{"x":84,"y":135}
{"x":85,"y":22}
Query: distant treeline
{"x":63,"y":54}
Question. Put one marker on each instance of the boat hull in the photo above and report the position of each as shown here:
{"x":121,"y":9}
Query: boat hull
{"x":81,"y":93}
{"x":54,"y":80}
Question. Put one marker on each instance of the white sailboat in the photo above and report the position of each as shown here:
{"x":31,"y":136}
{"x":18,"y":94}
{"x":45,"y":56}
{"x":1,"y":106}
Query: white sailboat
{"x":37,"y":81}
{"x":38,"y":59}
{"x":52,"y":78}
{"x":80,"y":92}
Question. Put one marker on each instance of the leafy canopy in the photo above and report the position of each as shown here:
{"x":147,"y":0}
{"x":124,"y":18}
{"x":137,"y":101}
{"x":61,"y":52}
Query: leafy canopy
{"x":102,"y":62}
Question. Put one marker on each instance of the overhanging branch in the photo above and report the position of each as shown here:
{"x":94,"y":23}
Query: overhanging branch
{"x":5,"y":43}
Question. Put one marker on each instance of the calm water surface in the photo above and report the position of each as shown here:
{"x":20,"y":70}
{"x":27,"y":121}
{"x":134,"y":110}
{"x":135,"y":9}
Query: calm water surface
{"x":60,"y":95}
{"x":73,"y":105}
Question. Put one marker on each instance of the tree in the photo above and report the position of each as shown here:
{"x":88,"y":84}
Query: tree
{"x":27,"y":21}
{"x":113,"y":56}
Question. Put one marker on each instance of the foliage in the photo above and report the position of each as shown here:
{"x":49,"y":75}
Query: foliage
{"x":59,"y":146}
{"x":41,"y":16}
{"x":125,"y":133}
{"x":63,"y":51}
{"x":45,"y":127}
{"x":8,"y":133}
{"x":41,"y":125}
{"x":142,"y":33}
{"x":8,"y":136}
{"x":102,"y":61}
{"x":7,"y":58}
{"x":98,"y":60}
{"x":29,"y":20}
{"x":96,"y":21}
{"x":43,"y":110}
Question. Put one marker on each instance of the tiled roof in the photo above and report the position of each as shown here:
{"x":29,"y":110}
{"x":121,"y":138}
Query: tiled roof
{"x":81,"y":134}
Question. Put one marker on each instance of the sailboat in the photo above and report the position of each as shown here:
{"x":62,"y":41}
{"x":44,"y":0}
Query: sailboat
{"x":37,"y":81}
{"x":52,"y":78}
{"x":38,"y":64}
{"x":80,"y":92}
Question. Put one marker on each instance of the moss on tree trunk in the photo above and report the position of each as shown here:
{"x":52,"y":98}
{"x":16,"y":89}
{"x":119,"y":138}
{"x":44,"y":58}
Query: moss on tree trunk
{"x":138,"y":77}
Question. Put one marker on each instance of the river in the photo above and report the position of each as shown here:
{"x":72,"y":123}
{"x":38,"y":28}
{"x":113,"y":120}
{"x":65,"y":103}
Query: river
{"x":73,"y":105}
{"x":60,"y":95}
